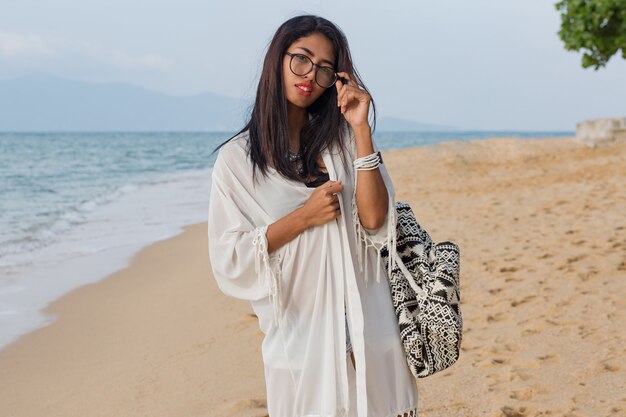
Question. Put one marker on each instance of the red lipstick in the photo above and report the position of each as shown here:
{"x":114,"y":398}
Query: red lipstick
{"x":302,"y":91}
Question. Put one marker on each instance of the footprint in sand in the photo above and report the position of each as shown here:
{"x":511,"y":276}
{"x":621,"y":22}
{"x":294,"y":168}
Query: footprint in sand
{"x":548,"y":358}
{"x":524,"y":395}
{"x":608,"y":366}
{"x":583,"y":276}
{"x":253,"y":407}
{"x":586,"y":331}
{"x":526,"y":299}
{"x":508,"y":411}
{"x":512,"y":347}
{"x":532,"y":331}
{"x":490,"y":363}
{"x":493,"y":318}
{"x":576,"y":258}
{"x":554,"y":323}
{"x":582,"y":398}
{"x":563,"y":303}
{"x":520,"y":373}
{"x":566,"y":268}
{"x":597,"y":368}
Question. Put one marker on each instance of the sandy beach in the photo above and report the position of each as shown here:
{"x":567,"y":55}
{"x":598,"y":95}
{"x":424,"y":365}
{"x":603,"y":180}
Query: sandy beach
{"x":542,"y":230}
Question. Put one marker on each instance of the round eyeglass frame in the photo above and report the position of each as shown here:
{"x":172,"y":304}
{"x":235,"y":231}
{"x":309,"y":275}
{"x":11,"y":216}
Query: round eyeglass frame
{"x":313,"y":65}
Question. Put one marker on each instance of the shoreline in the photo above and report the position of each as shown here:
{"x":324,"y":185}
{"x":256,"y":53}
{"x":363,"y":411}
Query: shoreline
{"x":103,"y":242}
{"x":533,"y":217}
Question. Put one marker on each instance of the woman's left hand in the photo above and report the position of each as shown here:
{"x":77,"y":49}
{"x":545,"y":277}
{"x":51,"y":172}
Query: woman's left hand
{"x":354,"y":102}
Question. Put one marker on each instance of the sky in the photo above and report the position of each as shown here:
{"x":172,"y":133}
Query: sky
{"x":476,"y":65}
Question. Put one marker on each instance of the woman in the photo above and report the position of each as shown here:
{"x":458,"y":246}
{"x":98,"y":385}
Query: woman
{"x":300,"y":207}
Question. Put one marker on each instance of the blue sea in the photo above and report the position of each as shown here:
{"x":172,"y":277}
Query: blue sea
{"x":75,"y":207}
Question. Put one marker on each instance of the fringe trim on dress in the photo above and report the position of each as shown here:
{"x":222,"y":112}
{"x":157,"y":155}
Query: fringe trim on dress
{"x":364,"y":240}
{"x":267,"y":268}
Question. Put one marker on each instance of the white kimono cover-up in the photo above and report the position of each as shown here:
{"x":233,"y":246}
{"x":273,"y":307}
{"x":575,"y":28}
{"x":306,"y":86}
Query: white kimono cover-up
{"x":299,"y":291}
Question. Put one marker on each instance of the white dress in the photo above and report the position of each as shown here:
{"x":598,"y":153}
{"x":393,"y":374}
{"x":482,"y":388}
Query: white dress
{"x":299,"y":291}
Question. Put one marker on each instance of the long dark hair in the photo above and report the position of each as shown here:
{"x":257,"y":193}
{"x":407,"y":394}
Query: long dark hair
{"x":268,"y":124}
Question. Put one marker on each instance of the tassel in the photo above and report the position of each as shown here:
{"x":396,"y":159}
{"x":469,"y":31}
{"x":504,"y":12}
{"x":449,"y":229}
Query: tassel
{"x":268,"y":277}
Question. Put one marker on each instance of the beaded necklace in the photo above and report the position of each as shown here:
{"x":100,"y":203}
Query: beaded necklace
{"x":296,"y":158}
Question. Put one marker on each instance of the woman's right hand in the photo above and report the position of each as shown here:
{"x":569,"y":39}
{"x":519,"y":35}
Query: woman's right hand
{"x":321,"y":207}
{"x":323,"y":204}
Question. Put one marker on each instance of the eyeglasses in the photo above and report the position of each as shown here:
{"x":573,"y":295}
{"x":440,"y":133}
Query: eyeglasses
{"x":302,"y":65}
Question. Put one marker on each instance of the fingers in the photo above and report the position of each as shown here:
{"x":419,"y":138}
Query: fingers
{"x":333,"y":199}
{"x":333,"y":187}
{"x":343,"y":88}
{"x":325,"y":201}
{"x":347,"y":91}
{"x":347,"y":96}
{"x":341,"y":94}
{"x":327,"y":185}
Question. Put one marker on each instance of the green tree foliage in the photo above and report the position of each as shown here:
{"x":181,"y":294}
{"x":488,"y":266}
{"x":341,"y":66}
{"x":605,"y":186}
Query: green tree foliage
{"x":598,"y":27}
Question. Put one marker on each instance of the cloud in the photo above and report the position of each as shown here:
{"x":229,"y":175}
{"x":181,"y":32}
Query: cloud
{"x":45,"y":51}
{"x":17,"y":45}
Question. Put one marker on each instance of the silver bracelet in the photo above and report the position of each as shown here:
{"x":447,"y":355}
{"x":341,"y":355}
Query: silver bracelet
{"x":368,"y":163}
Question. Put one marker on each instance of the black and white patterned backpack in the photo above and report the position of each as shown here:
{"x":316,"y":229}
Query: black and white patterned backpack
{"x":425,"y":292}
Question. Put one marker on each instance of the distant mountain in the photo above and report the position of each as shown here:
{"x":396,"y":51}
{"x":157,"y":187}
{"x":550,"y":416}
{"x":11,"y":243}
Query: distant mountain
{"x":394,"y":124}
{"x":48,"y":103}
